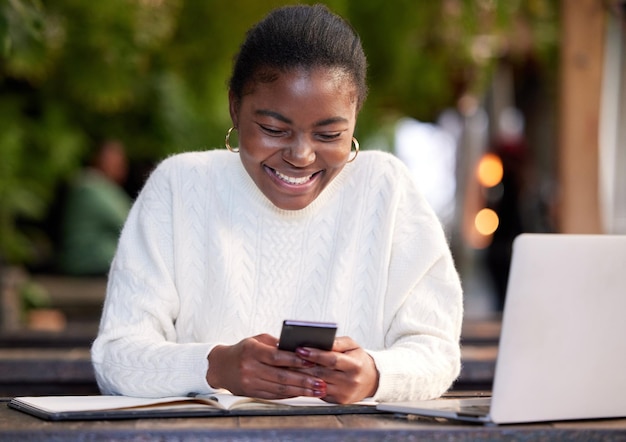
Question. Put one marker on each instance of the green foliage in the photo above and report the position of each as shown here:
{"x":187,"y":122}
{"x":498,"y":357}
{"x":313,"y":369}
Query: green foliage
{"x":153,"y":74}
{"x":425,"y":54}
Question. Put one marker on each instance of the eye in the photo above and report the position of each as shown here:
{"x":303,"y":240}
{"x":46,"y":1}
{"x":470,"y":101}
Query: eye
{"x":271,"y":131}
{"x":329,"y":136}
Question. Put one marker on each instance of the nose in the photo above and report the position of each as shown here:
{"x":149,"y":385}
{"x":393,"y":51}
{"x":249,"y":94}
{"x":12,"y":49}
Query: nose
{"x":300,"y":154}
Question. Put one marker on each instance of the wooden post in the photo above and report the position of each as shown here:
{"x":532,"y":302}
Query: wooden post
{"x":582,"y":43}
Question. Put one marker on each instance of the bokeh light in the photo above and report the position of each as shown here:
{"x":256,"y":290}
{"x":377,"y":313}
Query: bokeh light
{"x":486,"y":222}
{"x":490,"y":170}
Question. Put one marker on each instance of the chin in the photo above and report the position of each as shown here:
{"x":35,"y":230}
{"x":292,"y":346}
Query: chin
{"x":292,"y":203}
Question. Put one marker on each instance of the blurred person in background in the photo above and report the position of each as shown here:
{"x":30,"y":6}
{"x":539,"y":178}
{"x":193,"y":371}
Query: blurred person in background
{"x":94,"y":212}
{"x":506,"y":199}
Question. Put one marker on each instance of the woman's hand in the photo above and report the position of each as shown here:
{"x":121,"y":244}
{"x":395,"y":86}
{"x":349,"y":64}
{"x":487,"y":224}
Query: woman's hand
{"x":349,"y":372}
{"x":255,"y":367}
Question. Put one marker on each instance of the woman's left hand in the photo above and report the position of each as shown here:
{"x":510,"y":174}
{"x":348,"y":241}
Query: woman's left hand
{"x":349,"y":371}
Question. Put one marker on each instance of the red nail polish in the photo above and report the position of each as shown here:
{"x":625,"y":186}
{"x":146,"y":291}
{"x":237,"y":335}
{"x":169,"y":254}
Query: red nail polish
{"x":319,"y":385}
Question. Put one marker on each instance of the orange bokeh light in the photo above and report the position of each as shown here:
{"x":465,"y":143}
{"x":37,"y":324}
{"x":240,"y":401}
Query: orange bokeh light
{"x":490,"y":170}
{"x":486,"y":222}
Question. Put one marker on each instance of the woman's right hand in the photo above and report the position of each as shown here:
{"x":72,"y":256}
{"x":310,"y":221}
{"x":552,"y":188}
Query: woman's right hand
{"x":255,"y":367}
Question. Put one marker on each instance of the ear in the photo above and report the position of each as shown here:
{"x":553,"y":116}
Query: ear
{"x":233,"y":107}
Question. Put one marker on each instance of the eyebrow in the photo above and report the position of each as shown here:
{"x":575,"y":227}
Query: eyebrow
{"x":284,"y":119}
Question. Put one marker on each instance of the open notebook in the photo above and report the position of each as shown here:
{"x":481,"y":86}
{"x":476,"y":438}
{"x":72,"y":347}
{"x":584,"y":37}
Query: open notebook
{"x":562,"y":350}
{"x":125,"y":407}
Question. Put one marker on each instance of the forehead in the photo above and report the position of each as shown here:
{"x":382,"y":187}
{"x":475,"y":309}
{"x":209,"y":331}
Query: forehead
{"x":324,"y":77}
{"x":330,"y":85}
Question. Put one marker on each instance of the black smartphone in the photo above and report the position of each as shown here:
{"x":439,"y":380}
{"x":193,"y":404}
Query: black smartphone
{"x":307,"y":334}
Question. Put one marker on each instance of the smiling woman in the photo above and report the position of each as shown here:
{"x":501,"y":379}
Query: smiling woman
{"x":222,"y":246}
{"x":295,"y":133}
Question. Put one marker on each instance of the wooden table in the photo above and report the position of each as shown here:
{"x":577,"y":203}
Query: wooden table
{"x":18,"y":426}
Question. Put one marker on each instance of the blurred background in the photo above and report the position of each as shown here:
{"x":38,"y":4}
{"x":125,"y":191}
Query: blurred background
{"x":510,"y":113}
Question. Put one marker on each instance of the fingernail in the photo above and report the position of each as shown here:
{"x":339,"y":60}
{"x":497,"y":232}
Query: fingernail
{"x":303,"y":351}
{"x":307,"y":364}
{"x":319,"y":393}
{"x":319,"y":385}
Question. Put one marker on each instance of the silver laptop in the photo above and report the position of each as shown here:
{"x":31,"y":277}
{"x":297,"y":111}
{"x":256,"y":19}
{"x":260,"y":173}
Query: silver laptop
{"x":562,"y":349}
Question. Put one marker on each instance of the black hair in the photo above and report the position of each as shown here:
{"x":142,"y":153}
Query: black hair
{"x":299,"y":37}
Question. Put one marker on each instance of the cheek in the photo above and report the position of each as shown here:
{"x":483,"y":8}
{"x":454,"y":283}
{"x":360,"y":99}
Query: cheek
{"x":337,"y":156}
{"x":252,"y":144}
{"x":253,"y":139}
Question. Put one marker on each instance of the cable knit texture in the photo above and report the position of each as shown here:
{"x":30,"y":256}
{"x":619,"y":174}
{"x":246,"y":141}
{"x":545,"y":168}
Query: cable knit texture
{"x":206,"y":259}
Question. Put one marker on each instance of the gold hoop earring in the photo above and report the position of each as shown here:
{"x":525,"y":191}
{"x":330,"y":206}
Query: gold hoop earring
{"x":356,"y":149}
{"x":227,"y":141}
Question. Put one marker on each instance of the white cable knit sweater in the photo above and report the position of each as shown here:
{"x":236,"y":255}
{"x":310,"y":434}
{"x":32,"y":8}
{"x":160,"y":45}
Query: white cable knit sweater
{"x":205,"y":259}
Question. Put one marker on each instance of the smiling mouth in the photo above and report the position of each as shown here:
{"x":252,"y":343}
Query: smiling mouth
{"x":296,"y":181}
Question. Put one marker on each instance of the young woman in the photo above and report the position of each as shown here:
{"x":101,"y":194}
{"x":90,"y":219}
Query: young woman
{"x":294,"y":223}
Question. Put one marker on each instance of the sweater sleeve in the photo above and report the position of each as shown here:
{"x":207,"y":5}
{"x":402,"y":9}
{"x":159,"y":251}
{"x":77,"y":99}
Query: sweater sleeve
{"x":136,"y":352}
{"x":423,"y":306}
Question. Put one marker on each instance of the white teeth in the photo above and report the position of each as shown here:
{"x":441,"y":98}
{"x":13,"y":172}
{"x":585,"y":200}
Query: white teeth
{"x":292,"y":180}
